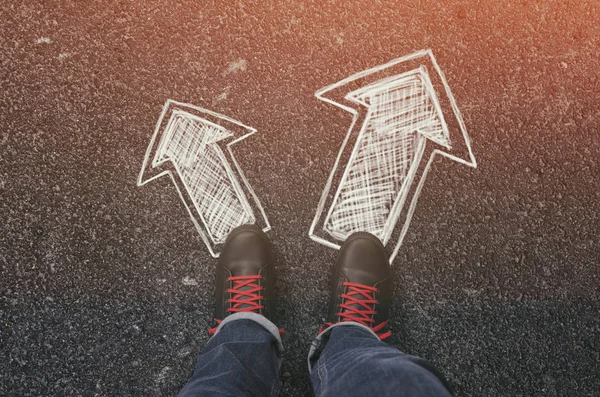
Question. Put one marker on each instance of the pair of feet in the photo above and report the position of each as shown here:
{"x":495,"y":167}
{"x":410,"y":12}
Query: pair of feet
{"x":361,"y":282}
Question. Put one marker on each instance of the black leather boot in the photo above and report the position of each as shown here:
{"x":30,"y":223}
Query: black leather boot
{"x":245,"y":276}
{"x":362,"y":284}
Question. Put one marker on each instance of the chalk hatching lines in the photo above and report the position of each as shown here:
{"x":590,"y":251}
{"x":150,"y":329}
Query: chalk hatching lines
{"x":208,"y":178}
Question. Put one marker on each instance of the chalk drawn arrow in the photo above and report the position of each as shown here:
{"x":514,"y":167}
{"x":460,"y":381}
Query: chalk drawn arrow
{"x":192,"y":145}
{"x":404,"y":114}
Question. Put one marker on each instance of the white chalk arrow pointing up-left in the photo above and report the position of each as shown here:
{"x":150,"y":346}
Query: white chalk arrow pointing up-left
{"x":193,"y":146}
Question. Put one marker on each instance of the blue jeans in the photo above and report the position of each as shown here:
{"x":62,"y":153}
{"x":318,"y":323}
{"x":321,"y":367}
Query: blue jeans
{"x":347,"y":359}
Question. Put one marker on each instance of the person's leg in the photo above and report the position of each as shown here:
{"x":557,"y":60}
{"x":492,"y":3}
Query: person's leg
{"x":242,"y":358}
{"x":354,"y":362}
{"x":349,"y":357}
{"x":244,"y":355}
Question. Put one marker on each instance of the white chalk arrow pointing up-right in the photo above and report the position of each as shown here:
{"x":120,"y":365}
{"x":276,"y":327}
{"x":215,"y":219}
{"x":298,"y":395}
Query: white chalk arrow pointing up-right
{"x":399,"y":120}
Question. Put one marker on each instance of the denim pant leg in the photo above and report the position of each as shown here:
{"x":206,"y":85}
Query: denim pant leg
{"x":243,"y":358}
{"x":348,"y":359}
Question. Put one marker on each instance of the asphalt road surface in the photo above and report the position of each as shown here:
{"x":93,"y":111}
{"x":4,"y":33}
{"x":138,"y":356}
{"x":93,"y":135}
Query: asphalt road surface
{"x":106,"y":288}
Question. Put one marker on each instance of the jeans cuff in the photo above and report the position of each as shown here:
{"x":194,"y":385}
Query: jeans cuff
{"x":257,"y":318}
{"x":318,"y":344}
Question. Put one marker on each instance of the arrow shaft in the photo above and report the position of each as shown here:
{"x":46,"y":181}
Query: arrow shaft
{"x":412,"y":195}
{"x":216,"y":194}
{"x":375,"y":181}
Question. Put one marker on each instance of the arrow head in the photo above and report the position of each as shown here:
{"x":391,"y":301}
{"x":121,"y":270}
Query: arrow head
{"x":193,"y":146}
{"x":407,"y":93}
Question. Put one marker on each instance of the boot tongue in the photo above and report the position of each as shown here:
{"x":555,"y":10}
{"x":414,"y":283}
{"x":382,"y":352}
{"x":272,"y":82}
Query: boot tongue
{"x":244,"y":267}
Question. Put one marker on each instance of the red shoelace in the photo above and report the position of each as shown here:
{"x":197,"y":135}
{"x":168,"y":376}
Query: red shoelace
{"x":357,"y":305}
{"x":247,"y":300}
{"x":245,"y":297}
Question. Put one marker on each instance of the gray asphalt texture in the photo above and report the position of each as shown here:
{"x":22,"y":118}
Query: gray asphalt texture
{"x":106,"y":289}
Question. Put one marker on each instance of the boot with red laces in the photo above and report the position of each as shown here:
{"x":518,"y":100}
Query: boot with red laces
{"x":361,"y":284}
{"x":245,"y":276}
